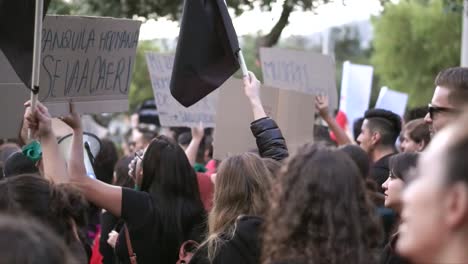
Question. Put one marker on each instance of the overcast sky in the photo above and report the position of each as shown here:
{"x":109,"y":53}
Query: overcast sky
{"x":301,"y":23}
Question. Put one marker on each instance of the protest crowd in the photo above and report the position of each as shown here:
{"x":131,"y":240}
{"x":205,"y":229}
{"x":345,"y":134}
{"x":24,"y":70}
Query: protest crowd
{"x":383,"y":188}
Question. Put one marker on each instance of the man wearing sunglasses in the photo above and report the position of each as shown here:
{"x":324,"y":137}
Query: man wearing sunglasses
{"x":450,"y":95}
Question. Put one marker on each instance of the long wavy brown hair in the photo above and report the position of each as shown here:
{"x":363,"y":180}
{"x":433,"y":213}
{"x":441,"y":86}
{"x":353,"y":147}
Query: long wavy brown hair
{"x":242,"y":187}
{"x":320,"y":212}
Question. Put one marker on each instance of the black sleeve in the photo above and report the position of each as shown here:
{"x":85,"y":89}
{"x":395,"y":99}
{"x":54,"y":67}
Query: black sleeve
{"x":270,"y":140}
{"x":137,"y":208}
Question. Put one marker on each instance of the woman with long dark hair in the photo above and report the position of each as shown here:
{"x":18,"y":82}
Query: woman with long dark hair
{"x":320,"y":213}
{"x":159,"y":218}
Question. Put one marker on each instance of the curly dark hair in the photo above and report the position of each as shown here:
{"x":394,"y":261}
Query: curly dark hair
{"x":320,"y":212}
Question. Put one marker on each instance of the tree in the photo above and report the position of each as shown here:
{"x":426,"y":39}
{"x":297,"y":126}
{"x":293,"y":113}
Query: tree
{"x":413,"y":41}
{"x":140,"y":87}
{"x":173,"y":9}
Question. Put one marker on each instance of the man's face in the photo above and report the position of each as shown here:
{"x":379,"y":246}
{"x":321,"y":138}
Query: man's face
{"x":442,"y":118}
{"x":365,"y":138}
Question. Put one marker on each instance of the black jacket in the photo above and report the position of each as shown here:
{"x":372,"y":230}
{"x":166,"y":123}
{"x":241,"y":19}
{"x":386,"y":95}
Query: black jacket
{"x":243,"y":248}
{"x":270,"y":140}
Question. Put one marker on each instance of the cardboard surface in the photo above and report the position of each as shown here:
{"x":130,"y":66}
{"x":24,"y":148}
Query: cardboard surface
{"x":300,"y":71}
{"x":293,"y":111}
{"x":392,"y":100}
{"x":88,"y":60}
{"x":171,"y":112}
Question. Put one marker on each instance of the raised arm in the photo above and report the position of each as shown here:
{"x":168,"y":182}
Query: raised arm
{"x":40,"y":123}
{"x":270,"y":141}
{"x":321,"y":103}
{"x":192,"y":150}
{"x":99,"y":193}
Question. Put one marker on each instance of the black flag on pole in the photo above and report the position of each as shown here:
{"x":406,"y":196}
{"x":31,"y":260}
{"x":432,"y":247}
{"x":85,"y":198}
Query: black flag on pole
{"x":206,"y":54}
{"x":17,"y":35}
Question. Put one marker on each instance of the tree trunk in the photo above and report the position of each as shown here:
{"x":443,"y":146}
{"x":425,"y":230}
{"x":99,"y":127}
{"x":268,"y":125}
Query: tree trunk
{"x":273,"y":37}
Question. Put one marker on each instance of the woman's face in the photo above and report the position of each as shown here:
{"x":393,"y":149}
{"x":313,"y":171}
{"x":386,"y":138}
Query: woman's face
{"x":423,"y":227}
{"x":393,"y":188}
{"x":409,"y":145}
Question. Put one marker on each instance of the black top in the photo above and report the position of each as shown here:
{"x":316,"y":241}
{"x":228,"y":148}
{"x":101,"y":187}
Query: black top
{"x":108,"y":223}
{"x":270,"y":140}
{"x":389,"y":256}
{"x":380,"y":170}
{"x":243,"y":248}
{"x":140,"y":213}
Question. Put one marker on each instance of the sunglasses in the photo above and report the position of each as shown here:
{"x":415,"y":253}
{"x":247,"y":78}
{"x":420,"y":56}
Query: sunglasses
{"x":435,"y":109}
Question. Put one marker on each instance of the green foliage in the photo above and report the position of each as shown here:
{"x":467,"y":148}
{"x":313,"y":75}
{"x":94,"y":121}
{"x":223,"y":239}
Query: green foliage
{"x":140,"y":88}
{"x":413,"y":41}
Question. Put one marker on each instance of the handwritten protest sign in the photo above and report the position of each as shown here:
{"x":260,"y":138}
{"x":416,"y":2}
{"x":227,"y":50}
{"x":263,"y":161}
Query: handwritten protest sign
{"x":89,"y":60}
{"x":300,"y":71}
{"x":172,"y":113}
{"x":293,"y":111}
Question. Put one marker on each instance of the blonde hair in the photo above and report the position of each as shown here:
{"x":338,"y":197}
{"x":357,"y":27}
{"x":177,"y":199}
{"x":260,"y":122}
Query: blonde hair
{"x":242,"y":186}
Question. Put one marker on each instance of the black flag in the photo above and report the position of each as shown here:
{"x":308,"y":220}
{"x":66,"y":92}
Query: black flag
{"x":206,"y":53}
{"x":17,"y":35}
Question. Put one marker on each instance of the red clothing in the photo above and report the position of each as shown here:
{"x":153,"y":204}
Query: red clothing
{"x":342,"y":121}
{"x":206,"y":188}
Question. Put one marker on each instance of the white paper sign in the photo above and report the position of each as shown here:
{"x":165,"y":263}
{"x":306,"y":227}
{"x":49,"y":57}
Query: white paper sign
{"x":300,"y":71}
{"x":89,"y":60}
{"x":356,"y":87}
{"x":392,"y":100}
{"x":171,"y":112}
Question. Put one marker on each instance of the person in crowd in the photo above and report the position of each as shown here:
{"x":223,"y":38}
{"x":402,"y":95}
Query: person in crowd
{"x":27,"y":241}
{"x":105,"y":161}
{"x":240,"y":202}
{"x":362,"y":161}
{"x":450,"y":96}
{"x":338,"y":132}
{"x":273,"y":166}
{"x":6,"y":150}
{"x":159,"y":218}
{"x":59,"y":207}
{"x":434,"y":218}
{"x":142,"y":137}
{"x":379,"y":133}
{"x":109,"y":223}
{"x":401,"y":166}
{"x":415,"y":113}
{"x":320,"y":212}
{"x":268,"y":136}
{"x":415,"y":136}
{"x":357,"y":125}
{"x":18,"y":164}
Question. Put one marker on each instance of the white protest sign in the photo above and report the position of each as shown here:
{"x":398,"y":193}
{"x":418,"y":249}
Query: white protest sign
{"x":356,"y":87}
{"x":171,"y":112}
{"x":300,"y":71}
{"x":88,"y":60}
{"x":293,"y":111}
{"x":392,"y":100}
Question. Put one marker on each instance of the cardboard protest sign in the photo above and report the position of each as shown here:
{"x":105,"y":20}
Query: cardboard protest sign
{"x":293,"y":111}
{"x":171,"y":112}
{"x":88,"y":60}
{"x":300,"y":71}
{"x":392,"y":101}
{"x":356,"y":87}
{"x":14,"y":94}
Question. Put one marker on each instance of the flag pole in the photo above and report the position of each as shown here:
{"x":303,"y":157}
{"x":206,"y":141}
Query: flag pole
{"x":39,"y":11}
{"x":243,"y":65}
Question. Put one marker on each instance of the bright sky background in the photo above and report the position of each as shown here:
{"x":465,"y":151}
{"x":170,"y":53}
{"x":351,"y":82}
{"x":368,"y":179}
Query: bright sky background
{"x":300,"y":23}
